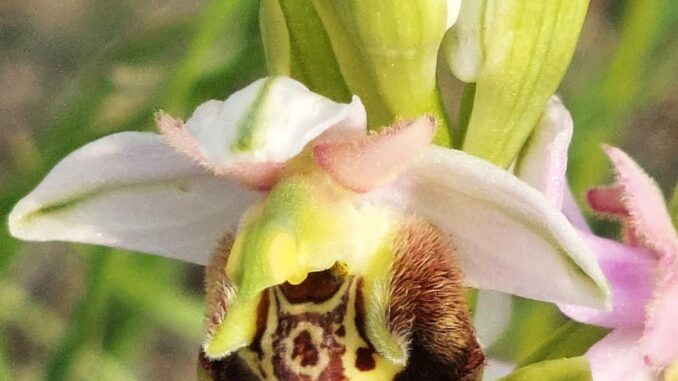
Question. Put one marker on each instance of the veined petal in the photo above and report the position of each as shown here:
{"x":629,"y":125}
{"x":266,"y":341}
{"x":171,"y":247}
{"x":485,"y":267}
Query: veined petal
{"x":133,"y":191}
{"x":631,"y":273}
{"x":508,"y":237}
{"x":527,"y":46}
{"x":618,"y":357}
{"x":269,"y":121}
{"x":543,"y":161}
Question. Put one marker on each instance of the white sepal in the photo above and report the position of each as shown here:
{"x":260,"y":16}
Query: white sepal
{"x":131,"y":190}
{"x":508,"y":237}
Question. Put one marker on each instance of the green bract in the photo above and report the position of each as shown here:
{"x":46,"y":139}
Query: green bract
{"x":386,"y":52}
{"x":517,"y":53}
{"x":296,"y":45}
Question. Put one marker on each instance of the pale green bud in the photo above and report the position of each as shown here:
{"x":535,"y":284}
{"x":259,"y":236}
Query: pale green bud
{"x":517,"y":52}
{"x":387,"y":52}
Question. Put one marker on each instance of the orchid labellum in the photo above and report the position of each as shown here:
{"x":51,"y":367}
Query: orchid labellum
{"x":333,"y":254}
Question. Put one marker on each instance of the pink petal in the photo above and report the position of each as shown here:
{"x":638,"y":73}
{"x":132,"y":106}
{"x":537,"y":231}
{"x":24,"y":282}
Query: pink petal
{"x":608,"y":200}
{"x":637,"y":200}
{"x":631,"y":273}
{"x":364,"y":164}
{"x":175,"y":133}
{"x":617,"y":357}
{"x":661,"y":330}
{"x":256,"y":176}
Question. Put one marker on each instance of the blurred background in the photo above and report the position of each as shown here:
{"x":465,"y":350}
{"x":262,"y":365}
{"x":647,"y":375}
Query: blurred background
{"x":74,"y":70}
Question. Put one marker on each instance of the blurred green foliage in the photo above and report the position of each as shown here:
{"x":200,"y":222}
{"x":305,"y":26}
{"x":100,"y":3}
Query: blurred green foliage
{"x":102,"y":314}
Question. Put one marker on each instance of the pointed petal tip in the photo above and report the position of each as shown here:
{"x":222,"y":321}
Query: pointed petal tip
{"x":130,"y":190}
{"x":16,"y":221}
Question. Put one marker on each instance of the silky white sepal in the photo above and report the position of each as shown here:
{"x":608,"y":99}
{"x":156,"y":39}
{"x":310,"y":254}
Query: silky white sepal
{"x":508,"y":237}
{"x":132,"y":191}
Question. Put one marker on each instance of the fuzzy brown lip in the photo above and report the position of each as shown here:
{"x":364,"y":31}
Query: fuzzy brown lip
{"x":427,"y":309}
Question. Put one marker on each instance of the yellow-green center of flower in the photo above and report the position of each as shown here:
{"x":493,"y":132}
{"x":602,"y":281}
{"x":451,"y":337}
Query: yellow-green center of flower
{"x":307,"y":223}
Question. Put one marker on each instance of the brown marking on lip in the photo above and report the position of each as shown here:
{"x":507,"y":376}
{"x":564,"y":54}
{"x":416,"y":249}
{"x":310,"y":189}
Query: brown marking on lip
{"x":364,"y":360}
{"x":327,"y":322}
{"x":341,"y":331}
{"x":316,"y":288}
{"x":305,"y":348}
{"x":428,"y":308}
{"x":364,"y":355}
{"x":262,"y":318}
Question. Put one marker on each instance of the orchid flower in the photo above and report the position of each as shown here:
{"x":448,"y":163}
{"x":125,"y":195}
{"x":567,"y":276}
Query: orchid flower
{"x":643,"y":271}
{"x":302,"y":217}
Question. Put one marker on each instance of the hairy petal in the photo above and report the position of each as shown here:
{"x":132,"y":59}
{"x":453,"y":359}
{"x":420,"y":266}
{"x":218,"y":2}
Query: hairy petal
{"x":636,"y":199}
{"x":266,"y":123}
{"x":257,"y":176}
{"x":661,"y":330}
{"x":364,"y":163}
{"x":631,"y":273}
{"x":499,"y":224}
{"x":618,"y":357}
{"x":133,"y":191}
